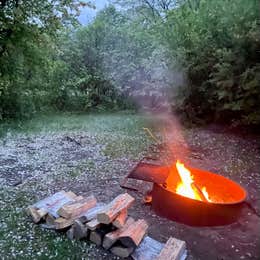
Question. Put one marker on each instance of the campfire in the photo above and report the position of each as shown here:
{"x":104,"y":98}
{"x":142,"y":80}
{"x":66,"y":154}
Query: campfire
{"x":188,"y":195}
{"x":186,"y":186}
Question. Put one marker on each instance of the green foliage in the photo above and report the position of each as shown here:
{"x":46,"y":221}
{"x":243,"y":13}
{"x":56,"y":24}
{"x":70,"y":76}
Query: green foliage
{"x":49,"y":63}
{"x":28,"y":31}
{"x":218,"y":42}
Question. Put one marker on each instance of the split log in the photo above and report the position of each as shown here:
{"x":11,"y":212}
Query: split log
{"x":70,"y":233}
{"x":121,"y":251}
{"x":120,"y":219}
{"x":121,"y":202}
{"x":32,"y":212}
{"x":62,"y":223}
{"x":50,"y":220}
{"x":113,"y":236}
{"x":173,"y":250}
{"x":133,"y":235}
{"x":75,"y":208}
{"x":93,"y":224}
{"x":79,"y":230}
{"x":96,"y":236}
{"x":71,"y":194}
{"x":148,"y":249}
{"x":53,"y":203}
{"x":91,"y":213}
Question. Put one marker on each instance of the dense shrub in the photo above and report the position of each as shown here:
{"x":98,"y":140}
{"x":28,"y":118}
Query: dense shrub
{"x":218,"y":43}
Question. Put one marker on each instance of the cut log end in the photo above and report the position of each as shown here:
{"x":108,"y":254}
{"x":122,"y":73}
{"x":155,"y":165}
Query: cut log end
{"x":173,"y":249}
{"x":96,"y":238}
{"x":122,"y":251}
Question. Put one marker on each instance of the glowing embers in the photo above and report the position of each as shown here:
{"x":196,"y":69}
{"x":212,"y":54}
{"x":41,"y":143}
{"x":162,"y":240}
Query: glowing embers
{"x":186,"y":186}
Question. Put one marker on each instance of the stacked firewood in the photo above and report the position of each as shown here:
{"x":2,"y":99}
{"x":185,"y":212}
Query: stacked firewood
{"x":106,"y":225}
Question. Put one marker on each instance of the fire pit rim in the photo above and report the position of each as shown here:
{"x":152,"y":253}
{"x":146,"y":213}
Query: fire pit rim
{"x":243,"y":190}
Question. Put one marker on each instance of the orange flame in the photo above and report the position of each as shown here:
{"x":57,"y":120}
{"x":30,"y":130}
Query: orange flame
{"x":185,"y":186}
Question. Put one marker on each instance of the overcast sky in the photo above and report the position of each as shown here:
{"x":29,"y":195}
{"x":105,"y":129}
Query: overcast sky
{"x":87,"y":14}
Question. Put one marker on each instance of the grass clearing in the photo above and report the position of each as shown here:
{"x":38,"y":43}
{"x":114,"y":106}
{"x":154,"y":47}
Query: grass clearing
{"x":107,"y":137}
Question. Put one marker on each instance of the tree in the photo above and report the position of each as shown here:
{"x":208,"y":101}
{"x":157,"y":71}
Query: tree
{"x":27,"y":42}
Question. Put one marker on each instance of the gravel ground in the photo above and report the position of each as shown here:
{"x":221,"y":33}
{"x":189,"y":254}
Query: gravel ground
{"x":92,"y":160}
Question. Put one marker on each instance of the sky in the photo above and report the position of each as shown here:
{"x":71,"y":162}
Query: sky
{"x":87,"y":14}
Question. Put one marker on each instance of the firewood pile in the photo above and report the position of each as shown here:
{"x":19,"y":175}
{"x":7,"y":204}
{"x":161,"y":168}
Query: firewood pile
{"x":106,"y":225}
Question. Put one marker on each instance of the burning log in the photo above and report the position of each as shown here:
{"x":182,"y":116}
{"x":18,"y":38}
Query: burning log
{"x":113,"y":209}
{"x":120,"y":219}
{"x":112,"y":237}
{"x":199,"y":192}
{"x":77,"y":207}
{"x":173,"y":249}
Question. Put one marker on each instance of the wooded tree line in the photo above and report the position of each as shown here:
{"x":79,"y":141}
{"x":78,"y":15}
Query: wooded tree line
{"x":50,"y":62}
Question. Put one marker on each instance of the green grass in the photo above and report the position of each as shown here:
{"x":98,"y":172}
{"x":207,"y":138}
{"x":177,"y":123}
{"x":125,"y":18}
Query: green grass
{"x":95,"y":123}
{"x":120,"y":134}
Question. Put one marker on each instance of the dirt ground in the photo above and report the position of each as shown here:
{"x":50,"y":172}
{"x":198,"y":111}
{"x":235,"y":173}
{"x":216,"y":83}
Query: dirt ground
{"x":33,"y":166}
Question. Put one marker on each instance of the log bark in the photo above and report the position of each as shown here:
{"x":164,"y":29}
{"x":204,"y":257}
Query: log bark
{"x":71,"y":194}
{"x":93,"y":224}
{"x":173,"y":250}
{"x":70,"y":233}
{"x":62,"y":223}
{"x":77,"y":207}
{"x":96,"y":236}
{"x":50,"y":220}
{"x":80,"y":230}
{"x":133,"y":235}
{"x":33,"y":213}
{"x":54,"y":202}
{"x":113,"y":236}
{"x":120,"y":219}
{"x":121,"y":251}
{"x":91,"y":213}
{"x":121,"y":202}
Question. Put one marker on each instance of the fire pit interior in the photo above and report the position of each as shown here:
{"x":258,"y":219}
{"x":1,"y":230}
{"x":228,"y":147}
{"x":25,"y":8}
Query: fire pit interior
{"x":192,"y":196}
